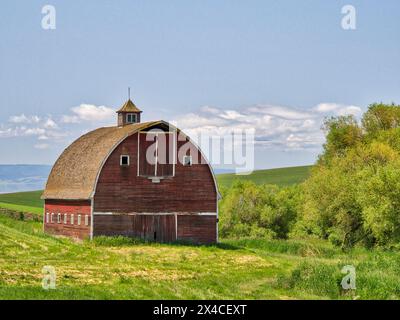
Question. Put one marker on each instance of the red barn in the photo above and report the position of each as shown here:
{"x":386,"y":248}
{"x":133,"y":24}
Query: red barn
{"x":145,"y":180}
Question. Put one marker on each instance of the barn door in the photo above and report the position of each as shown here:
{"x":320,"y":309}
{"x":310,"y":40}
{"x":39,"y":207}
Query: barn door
{"x":159,"y":228}
{"x":157,"y":153}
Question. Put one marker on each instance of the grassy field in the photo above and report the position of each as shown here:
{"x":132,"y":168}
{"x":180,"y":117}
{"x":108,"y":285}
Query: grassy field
{"x":22,"y":201}
{"x":280,"y":176}
{"x":119,"y":268}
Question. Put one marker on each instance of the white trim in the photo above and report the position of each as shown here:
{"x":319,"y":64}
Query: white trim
{"x":131,"y":114}
{"x":176,"y":227}
{"x":138,"y":153}
{"x":175,"y":151}
{"x":120,"y":160}
{"x":91,"y":218}
{"x":102,"y":213}
{"x":217,"y":222}
{"x":156,"y":162}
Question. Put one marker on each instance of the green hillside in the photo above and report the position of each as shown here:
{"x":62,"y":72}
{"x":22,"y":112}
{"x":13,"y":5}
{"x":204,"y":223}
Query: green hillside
{"x":280,"y":176}
{"x":22,"y":201}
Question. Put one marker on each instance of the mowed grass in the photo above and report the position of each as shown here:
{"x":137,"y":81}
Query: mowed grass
{"x":119,"y":268}
{"x":23,"y":201}
{"x":281,"y":176}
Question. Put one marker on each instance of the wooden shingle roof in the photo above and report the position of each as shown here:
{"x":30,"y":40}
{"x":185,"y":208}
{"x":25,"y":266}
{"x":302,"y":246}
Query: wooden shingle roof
{"x":129,"y":106}
{"x":74,"y":175}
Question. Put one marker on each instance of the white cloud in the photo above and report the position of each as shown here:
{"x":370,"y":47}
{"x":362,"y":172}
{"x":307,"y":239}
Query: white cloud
{"x":89,"y":112}
{"x":41,"y":146}
{"x":50,"y":124}
{"x":275,"y":126}
{"x":24,"y":119}
{"x":338,"y":109}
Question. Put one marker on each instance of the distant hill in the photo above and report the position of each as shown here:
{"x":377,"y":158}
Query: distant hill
{"x":280,"y":176}
{"x":17,"y":178}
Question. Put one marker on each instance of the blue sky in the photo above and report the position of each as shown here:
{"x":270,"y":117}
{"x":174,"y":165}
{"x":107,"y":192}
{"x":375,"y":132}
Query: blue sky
{"x":282,"y":65}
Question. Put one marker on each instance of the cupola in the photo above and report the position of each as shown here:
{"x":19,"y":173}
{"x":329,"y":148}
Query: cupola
{"x":128,"y":114}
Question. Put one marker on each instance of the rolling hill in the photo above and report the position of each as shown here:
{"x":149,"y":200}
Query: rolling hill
{"x":279,"y":176}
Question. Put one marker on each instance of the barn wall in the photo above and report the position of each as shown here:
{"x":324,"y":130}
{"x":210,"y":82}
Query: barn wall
{"x":161,"y":228}
{"x":197,"y":229}
{"x":76,"y":208}
{"x":200,"y":229}
{"x":120,"y":190}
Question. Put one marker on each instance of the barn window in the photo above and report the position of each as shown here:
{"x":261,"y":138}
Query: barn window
{"x":65,"y":218}
{"x":79,"y":219}
{"x":124,"y":162}
{"x":59,"y":218}
{"x":52,"y":218}
{"x":187,"y":160}
{"x":86,"y":220}
{"x":47,"y":217}
{"x":131,"y":118}
{"x":72,"y":219}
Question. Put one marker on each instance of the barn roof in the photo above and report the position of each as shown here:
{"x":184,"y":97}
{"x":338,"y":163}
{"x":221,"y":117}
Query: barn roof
{"x":129,"y":106}
{"x":74,"y":175}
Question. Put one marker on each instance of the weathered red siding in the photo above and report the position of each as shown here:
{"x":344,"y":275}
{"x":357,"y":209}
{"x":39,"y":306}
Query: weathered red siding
{"x":120,"y":190}
{"x":76,"y":208}
{"x":160,"y":228}
{"x":197,"y":229}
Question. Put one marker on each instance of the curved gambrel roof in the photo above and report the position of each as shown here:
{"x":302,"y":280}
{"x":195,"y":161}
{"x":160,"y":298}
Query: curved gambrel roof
{"x":74,"y":175}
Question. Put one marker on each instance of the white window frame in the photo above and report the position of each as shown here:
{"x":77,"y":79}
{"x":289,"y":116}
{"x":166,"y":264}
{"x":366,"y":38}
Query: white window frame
{"x":129,"y":160}
{"x":79,"y":219}
{"x":59,"y":218}
{"x":72,"y":219}
{"x":65,"y":218}
{"x":86,"y":220}
{"x":47,"y":217}
{"x":190,"y":163}
{"x":134,"y":117}
{"x":52,"y":218}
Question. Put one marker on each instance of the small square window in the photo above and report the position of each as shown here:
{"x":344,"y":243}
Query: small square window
{"x":86,"y":220}
{"x":79,"y":219}
{"x":187,"y":160}
{"x":72,"y":219}
{"x":124,"y":160}
{"x":131,"y":118}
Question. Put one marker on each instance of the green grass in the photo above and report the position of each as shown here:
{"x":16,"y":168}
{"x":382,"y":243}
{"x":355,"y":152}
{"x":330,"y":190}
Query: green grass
{"x":120,"y":268}
{"x":22,"y":201}
{"x":280,"y":176}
